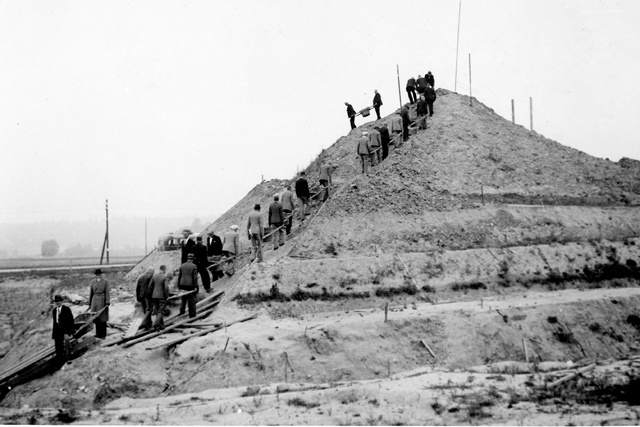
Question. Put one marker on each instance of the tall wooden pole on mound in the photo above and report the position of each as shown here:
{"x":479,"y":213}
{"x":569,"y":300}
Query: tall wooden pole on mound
{"x":105,"y":244}
{"x":513,"y":111}
{"x":455,"y":84}
{"x":470,"y":101}
{"x":399,"y":92}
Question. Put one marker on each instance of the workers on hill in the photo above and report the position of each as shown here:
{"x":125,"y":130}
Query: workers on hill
{"x":186,"y":245}
{"x":422,"y":110}
{"x":303,"y":194}
{"x":160,"y":284}
{"x":430,"y":79}
{"x":144,"y":290}
{"x":384,"y":140}
{"x":287,"y":207}
{"x":422,"y":85}
{"x":364,"y":151}
{"x":230,"y":249}
{"x":255,"y":231}
{"x":375,"y":143}
{"x":188,"y":281}
{"x":276,"y":221}
{"x":351,"y":113}
{"x":214,"y":255}
{"x":396,"y":124}
{"x":326,"y":169}
{"x":98,"y":299}
{"x":430,"y":97}
{"x":377,"y":103}
{"x":202,"y":262}
{"x":63,"y":329}
{"x":406,"y":121}
{"x":411,"y":90}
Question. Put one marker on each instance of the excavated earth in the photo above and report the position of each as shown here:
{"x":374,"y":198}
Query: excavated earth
{"x":454,"y":284}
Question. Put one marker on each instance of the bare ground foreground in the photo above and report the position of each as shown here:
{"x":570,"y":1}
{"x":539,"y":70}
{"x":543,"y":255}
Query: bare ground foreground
{"x":482,"y":274}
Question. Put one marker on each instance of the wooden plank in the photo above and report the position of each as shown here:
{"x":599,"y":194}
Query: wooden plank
{"x":133,"y":328}
{"x":197,"y":334}
{"x":428,"y":349}
{"x":570,"y":376}
{"x":206,"y":303}
{"x":184,"y":294}
{"x":169,"y":328}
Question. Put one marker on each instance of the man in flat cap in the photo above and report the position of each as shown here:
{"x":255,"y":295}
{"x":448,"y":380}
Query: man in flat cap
{"x":255,"y":231}
{"x":63,"y":328}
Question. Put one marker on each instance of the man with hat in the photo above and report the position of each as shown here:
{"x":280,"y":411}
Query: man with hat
{"x":188,"y":281}
{"x":142,"y":288}
{"x":255,"y":230}
{"x":276,"y":220}
{"x":63,"y":328}
{"x":187,"y":244}
{"x":231,"y":248}
{"x":99,"y":299}
{"x":202,"y":262}
{"x":364,"y":151}
{"x":214,"y":253}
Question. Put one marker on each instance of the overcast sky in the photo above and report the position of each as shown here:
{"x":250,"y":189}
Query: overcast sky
{"x":180,"y":107}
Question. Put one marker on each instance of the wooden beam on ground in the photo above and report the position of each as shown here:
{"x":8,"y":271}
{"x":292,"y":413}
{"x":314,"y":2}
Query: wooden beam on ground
{"x":202,"y":305}
{"x":133,"y":328}
{"x":573,"y":375}
{"x":428,"y":349}
{"x":197,"y":334}
{"x":167,"y":329}
{"x":184,"y":294}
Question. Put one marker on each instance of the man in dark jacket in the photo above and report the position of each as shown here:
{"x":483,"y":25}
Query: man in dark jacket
{"x":422,"y":85}
{"x":430,"y":97}
{"x":411,"y":90}
{"x":422,"y":111}
{"x":377,"y":102}
{"x":144,"y":289}
{"x":187,"y":245}
{"x":188,"y":281}
{"x":276,"y":219}
{"x":201,"y":261}
{"x":160,"y":282}
{"x":384,"y":139}
{"x":406,"y":121}
{"x":63,"y":329}
{"x":351,"y":113}
{"x":214,"y":253}
{"x":141,"y":288}
{"x":430,"y":79}
{"x":302,"y":191}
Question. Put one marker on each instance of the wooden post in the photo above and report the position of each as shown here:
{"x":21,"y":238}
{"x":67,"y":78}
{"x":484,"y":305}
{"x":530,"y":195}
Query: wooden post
{"x":470,"y":101}
{"x":482,"y":194}
{"x":531,"y":112}
{"x":526,"y":351}
{"x":455,"y":85}
{"x":513,"y":112}
{"x":386,"y":310}
{"x":399,"y":91}
{"x":225,"y":345}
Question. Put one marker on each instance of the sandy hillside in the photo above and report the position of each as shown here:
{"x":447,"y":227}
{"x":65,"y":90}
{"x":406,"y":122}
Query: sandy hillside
{"x":454,"y":284}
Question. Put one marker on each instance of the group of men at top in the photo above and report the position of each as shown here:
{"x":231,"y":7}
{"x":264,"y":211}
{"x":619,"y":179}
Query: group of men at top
{"x":424,"y":86}
{"x":198,"y":259}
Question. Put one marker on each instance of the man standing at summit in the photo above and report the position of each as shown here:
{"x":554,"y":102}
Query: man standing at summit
{"x":411,"y":90}
{"x":351,"y":113}
{"x":377,"y":102}
{"x":430,"y":97}
{"x":430,"y":79}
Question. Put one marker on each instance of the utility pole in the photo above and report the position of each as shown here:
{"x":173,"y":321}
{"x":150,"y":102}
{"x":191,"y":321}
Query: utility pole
{"x":455,"y":85}
{"x":531,"y":112}
{"x":513,"y":111}
{"x":470,"y":101}
{"x":399,"y":92}
{"x":105,"y":244}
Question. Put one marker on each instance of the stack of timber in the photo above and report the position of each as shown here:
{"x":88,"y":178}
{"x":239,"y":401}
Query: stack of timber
{"x":42,"y":362}
{"x":203,"y":309}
